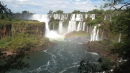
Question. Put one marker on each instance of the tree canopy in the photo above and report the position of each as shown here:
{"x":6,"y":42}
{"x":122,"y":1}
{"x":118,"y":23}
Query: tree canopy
{"x":4,"y":11}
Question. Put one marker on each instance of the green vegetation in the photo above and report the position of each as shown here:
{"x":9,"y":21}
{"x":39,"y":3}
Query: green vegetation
{"x":121,"y":25}
{"x":15,"y":26}
{"x":5,"y":13}
{"x":22,"y":41}
{"x":76,"y":33}
{"x":103,"y":64}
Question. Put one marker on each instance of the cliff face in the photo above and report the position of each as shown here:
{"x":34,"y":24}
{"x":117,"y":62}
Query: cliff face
{"x":102,"y":48}
{"x":5,"y":29}
{"x":28,"y":27}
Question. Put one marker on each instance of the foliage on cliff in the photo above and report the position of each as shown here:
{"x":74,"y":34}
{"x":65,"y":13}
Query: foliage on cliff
{"x":15,"y":26}
{"x":121,"y":25}
{"x":5,"y":13}
{"x":76,"y":33}
{"x":22,"y":40}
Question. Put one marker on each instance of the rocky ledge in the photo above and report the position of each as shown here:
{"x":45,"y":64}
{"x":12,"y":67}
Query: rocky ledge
{"x":102,"y":49}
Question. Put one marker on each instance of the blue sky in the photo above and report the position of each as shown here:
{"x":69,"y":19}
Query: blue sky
{"x":43,"y":6}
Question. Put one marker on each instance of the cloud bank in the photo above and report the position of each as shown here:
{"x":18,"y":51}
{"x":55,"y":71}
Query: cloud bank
{"x":43,"y":6}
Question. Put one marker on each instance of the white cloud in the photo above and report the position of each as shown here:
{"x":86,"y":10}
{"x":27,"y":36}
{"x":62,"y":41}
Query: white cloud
{"x":77,"y":0}
{"x":43,"y":6}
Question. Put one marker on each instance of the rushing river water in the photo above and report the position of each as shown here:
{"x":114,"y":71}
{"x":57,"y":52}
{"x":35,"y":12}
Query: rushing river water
{"x":63,"y":57}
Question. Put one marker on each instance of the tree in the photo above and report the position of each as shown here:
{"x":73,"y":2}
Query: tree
{"x":4,"y":11}
{"x":25,"y":12}
{"x":120,"y":24}
{"x":14,"y":61}
{"x":103,"y":64}
{"x":50,"y":12}
{"x":76,"y":12}
{"x":59,"y":12}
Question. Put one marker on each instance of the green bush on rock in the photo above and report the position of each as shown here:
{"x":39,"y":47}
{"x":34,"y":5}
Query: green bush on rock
{"x":76,"y":33}
{"x":22,"y":40}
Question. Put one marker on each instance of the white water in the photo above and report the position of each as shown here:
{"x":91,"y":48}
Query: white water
{"x":79,"y":27}
{"x":105,"y":17}
{"x":60,"y":27}
{"x":92,"y":16}
{"x":79,"y":17}
{"x":63,"y":57}
{"x":84,"y":23}
{"x":95,"y":33}
{"x":119,"y":40}
{"x":72,"y":17}
{"x":71,"y":26}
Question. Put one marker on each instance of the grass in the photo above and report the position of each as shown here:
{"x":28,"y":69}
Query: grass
{"x":76,"y":33}
{"x":22,"y":40}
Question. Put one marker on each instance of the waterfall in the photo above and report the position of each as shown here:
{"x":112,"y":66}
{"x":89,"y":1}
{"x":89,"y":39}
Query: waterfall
{"x":92,"y":16}
{"x":84,"y":26}
{"x":47,"y":27}
{"x":105,"y":17}
{"x":56,"y":16}
{"x":42,"y":18}
{"x":79,"y":17}
{"x":72,"y":26}
{"x":60,"y":27}
{"x":72,"y":17}
{"x":62,"y":17}
{"x":119,"y":38}
{"x":79,"y":27}
{"x":86,"y":16}
{"x":95,"y":33}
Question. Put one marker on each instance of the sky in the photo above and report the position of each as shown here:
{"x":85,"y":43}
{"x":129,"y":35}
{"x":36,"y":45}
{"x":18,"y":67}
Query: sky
{"x":44,"y":6}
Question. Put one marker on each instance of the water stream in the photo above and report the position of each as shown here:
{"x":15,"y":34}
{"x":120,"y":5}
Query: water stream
{"x":63,"y":57}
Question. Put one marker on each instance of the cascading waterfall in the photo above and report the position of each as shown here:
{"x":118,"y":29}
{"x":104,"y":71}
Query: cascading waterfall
{"x":119,"y":38}
{"x":72,"y":17}
{"x":92,"y":16}
{"x":42,"y":18}
{"x":56,"y":16}
{"x":72,"y":26}
{"x":84,"y":23}
{"x":105,"y":17}
{"x":79,"y":17}
{"x":86,"y":16}
{"x":95,"y":33}
{"x":79,"y":27}
{"x":60,"y":27}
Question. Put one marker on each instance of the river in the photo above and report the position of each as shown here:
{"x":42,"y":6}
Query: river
{"x":63,"y":57}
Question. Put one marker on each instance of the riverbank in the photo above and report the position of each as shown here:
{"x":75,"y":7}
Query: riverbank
{"x":102,"y":49}
{"x":39,"y":48}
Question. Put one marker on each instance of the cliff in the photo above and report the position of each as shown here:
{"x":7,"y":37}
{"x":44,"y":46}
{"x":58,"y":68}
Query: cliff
{"x":9,"y":28}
